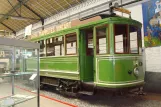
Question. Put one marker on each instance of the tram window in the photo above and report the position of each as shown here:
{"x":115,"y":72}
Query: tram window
{"x":59,"y":46}
{"x":139,"y":40}
{"x":54,"y":46}
{"x":101,"y":42}
{"x":42,"y":48}
{"x":49,"y":47}
{"x":90,"y":39}
{"x":89,"y":42}
{"x":121,"y":39}
{"x":71,"y":44}
{"x":133,"y":39}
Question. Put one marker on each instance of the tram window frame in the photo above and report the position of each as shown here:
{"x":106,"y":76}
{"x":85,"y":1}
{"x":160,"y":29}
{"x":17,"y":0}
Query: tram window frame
{"x":137,"y":39}
{"x":44,"y":47}
{"x":48,"y":45}
{"x":66,"y":36}
{"x":55,"y":42}
{"x":125,"y":42}
{"x":89,"y":42}
{"x":106,"y":26}
{"x":139,"y":34}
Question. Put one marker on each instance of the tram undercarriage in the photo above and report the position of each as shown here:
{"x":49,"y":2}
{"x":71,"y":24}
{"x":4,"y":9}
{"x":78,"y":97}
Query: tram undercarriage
{"x":76,"y":87}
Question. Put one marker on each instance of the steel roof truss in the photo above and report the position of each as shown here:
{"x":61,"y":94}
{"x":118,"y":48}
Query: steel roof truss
{"x":29,"y":8}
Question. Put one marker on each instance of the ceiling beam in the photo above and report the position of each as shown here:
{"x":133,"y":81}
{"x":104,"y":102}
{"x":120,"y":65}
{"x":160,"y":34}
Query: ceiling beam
{"x":29,"y":8}
{"x":8,"y":28}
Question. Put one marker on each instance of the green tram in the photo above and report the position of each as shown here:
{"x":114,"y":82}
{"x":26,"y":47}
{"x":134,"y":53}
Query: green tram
{"x":106,"y":53}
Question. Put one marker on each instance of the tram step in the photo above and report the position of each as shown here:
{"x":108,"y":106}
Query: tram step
{"x":86,"y":92}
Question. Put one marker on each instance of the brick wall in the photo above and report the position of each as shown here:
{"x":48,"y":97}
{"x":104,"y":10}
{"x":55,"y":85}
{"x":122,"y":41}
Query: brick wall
{"x":153,"y":59}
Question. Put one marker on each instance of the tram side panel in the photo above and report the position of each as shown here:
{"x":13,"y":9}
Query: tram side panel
{"x":119,"y":71}
{"x":60,"y":67}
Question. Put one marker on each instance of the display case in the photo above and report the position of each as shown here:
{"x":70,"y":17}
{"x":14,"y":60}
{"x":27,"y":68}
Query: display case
{"x":19,"y":73}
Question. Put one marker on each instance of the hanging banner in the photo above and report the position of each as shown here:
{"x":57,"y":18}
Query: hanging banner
{"x":152,"y":23}
{"x":28,"y":30}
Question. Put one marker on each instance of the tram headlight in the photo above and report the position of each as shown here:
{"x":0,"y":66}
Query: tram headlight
{"x":136,"y":72}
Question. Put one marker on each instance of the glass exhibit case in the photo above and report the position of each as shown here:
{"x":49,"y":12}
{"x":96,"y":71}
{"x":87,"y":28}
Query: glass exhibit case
{"x":19,"y":73}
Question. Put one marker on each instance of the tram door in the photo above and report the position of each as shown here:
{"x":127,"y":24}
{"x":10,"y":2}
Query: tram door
{"x":86,"y":55}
